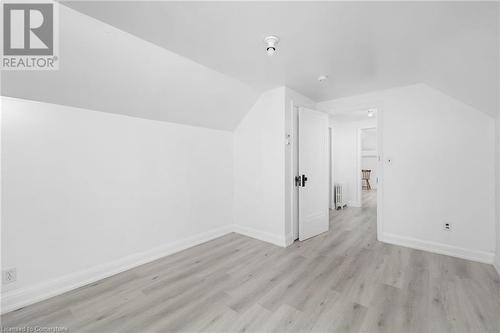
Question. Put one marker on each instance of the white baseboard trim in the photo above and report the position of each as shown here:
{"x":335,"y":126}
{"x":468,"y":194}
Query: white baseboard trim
{"x":18,"y":298}
{"x":260,"y":235}
{"x":289,"y":239}
{"x":449,"y":250}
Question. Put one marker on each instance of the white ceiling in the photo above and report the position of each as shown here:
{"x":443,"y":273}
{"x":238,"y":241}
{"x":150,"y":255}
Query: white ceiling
{"x":105,"y":69}
{"x":362,"y":46}
{"x":204,"y":63}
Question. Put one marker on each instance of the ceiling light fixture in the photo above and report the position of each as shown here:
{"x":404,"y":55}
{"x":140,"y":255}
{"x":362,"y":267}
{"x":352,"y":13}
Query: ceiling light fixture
{"x":271,"y":42}
{"x":322,"y":78}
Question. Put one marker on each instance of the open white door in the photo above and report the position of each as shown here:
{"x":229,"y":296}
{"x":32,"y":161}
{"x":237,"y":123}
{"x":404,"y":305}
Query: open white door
{"x":313,"y":178}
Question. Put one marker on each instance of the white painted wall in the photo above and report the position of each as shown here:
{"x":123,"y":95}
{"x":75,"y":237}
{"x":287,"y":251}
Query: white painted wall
{"x":86,"y":194}
{"x":497,"y":169}
{"x":345,"y":156}
{"x":259,"y":170}
{"x":442,"y":154}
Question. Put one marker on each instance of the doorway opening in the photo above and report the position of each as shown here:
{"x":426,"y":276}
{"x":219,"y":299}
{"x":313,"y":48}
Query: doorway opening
{"x":352,"y":143}
{"x":368,"y":166}
{"x":356,"y":172}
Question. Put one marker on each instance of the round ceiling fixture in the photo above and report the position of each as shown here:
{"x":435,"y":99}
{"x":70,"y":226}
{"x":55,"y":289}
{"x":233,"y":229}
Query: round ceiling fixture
{"x":271,"y":42}
{"x":322,"y":78}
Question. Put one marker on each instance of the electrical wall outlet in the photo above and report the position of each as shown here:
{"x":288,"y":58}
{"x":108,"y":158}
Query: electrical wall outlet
{"x":9,"y":275}
{"x":447,"y":226}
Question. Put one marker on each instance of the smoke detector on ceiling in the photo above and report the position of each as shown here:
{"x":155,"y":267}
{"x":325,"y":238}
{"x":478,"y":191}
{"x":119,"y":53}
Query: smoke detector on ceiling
{"x":322,"y":78}
{"x":271,"y":43}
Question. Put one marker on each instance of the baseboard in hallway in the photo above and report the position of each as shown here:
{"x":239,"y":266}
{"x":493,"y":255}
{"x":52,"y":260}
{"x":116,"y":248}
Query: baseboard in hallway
{"x":261,"y":235}
{"x":439,"y":248}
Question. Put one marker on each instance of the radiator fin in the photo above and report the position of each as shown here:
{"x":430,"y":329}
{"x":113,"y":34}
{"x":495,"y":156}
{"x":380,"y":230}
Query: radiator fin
{"x":340,"y":196}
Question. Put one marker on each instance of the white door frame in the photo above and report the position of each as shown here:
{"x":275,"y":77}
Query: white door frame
{"x":380,"y":173}
{"x":331,"y":202}
{"x":294,"y":193}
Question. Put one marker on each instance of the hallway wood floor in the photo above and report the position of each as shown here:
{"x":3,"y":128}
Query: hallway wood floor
{"x":341,"y":281}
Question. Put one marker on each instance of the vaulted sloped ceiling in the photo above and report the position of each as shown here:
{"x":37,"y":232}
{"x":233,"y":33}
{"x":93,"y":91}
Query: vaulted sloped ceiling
{"x":105,"y":69}
{"x":361,"y":46}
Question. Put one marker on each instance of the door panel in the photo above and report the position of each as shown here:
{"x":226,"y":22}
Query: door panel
{"x":313,"y":172}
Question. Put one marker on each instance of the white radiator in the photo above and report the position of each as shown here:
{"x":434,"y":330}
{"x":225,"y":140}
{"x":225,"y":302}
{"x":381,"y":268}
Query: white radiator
{"x":340,"y":196}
